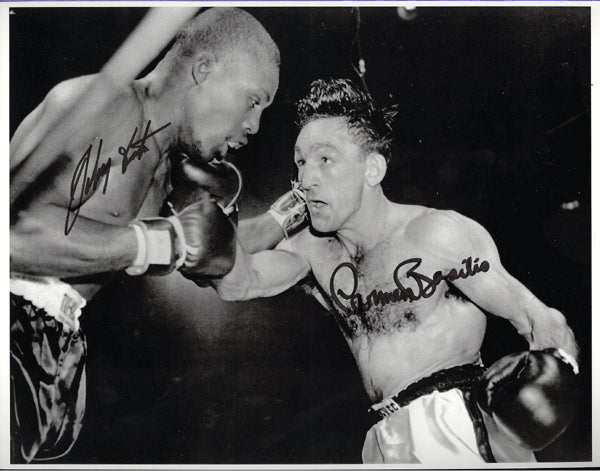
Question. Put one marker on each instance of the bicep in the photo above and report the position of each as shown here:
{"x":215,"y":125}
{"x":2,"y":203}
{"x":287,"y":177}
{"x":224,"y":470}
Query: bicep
{"x":497,"y":292}
{"x":262,"y":274}
{"x":37,"y":142}
{"x":489,"y":285}
{"x":26,"y":136}
{"x":469,"y":258}
{"x":277,"y":270}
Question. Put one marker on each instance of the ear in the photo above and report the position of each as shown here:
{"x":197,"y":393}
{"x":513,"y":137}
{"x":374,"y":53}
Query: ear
{"x":204,"y":63}
{"x":376,"y":168}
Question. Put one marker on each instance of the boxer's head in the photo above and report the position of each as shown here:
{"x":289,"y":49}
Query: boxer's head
{"x":224,"y":68}
{"x":341,"y":152}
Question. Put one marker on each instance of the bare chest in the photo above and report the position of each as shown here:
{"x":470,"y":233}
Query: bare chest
{"x":391,"y":289}
{"x":115,"y":178}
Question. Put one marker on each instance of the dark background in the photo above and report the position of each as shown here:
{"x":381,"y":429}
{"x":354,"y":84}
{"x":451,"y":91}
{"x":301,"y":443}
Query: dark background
{"x":494,"y":122}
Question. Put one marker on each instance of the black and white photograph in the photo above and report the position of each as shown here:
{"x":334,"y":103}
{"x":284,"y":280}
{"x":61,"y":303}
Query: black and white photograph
{"x":303,"y":234}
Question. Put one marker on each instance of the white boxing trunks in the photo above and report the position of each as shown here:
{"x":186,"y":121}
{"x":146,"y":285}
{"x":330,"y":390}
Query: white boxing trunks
{"x":438,"y":427}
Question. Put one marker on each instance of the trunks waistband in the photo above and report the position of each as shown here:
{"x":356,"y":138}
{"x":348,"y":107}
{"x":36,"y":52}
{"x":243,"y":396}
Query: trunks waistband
{"x":463,"y":376}
{"x":59,"y":299}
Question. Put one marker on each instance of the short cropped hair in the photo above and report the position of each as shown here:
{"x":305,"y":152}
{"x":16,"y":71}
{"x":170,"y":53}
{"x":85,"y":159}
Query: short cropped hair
{"x":370,"y":125}
{"x":222,"y":31}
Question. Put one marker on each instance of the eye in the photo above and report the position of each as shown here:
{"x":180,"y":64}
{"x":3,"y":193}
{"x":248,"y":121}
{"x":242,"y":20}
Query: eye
{"x":325,"y":159}
{"x":299,"y":162}
{"x":254,"y":103}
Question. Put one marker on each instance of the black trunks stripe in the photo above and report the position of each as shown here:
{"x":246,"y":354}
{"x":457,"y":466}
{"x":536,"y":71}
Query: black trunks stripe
{"x":460,"y":377}
{"x":463,"y":377}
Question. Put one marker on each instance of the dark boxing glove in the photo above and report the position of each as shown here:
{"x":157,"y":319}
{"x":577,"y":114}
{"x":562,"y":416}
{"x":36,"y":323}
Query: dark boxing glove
{"x":532,"y":395}
{"x":199,"y":238}
{"x":221,"y":179}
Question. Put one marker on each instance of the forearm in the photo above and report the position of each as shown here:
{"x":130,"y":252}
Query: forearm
{"x":263,"y":274}
{"x":500,"y":294}
{"x":240,"y":281}
{"x":550,"y":330}
{"x":259,"y":233}
{"x":39,"y":246}
{"x":286,"y":217}
{"x":542,"y":326}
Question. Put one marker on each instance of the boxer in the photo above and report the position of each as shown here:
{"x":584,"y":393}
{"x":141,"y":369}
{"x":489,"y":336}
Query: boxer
{"x":408,"y":287}
{"x":90,"y":172}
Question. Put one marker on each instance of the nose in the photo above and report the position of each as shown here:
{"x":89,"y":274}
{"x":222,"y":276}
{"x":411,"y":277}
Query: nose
{"x":308,"y":176}
{"x":252,"y":122}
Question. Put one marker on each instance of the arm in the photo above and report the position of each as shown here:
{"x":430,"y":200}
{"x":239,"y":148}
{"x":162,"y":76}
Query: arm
{"x":41,"y":120}
{"x":38,"y":242}
{"x":39,"y":128}
{"x":38,"y":245}
{"x":27,"y":132}
{"x":46,"y":240}
{"x":262,"y":274}
{"x":286,"y":217}
{"x":452,"y":238}
{"x":259,"y":233}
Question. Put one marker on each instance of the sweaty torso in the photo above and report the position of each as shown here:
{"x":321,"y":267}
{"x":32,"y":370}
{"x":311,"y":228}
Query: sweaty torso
{"x":399,"y":327}
{"x":104,"y":179}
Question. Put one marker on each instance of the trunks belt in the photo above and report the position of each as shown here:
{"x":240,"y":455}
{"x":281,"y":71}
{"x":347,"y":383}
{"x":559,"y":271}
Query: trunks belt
{"x":463,"y":377}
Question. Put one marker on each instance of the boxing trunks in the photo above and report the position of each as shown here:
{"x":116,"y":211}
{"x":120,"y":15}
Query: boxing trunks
{"x":437,"y":421}
{"x":47,"y":368}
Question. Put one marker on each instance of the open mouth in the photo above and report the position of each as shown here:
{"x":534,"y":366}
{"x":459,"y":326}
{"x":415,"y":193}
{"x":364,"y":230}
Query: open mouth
{"x":234,"y":145}
{"x":227,"y":146}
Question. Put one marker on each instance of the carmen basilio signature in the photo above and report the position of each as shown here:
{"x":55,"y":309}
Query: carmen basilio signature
{"x":425,"y":286}
{"x":82,"y":183}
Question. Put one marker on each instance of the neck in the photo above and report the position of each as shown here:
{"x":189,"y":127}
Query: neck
{"x":368,"y":226}
{"x":150,"y":94}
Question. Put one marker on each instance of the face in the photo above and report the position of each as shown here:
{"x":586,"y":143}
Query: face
{"x":225,"y":105}
{"x":331,"y":171}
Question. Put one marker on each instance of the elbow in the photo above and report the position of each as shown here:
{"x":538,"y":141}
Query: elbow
{"x":240,"y":284}
{"x":23,"y":228}
{"x":234,"y":288}
{"x":232,"y":293}
{"x":227,"y":295}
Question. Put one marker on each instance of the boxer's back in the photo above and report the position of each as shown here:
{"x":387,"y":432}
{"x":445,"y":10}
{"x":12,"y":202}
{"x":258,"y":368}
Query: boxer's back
{"x":399,"y":326}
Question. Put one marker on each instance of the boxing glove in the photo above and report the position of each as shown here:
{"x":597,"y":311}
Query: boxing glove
{"x":532,"y":395}
{"x":190,"y":180}
{"x":199,"y":237}
{"x":290,"y":211}
{"x":210,"y":240}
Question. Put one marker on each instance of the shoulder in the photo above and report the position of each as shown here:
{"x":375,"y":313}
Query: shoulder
{"x":447,"y":232}
{"x":65,"y":94}
{"x":436,"y":225}
{"x":37,"y":123}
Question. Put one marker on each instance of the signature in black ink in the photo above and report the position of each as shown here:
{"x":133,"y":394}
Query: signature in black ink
{"x":425,"y":286}
{"x":82,"y":184}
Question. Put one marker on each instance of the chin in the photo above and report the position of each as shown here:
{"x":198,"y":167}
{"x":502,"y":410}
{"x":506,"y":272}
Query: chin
{"x":191,"y":151}
{"x":322,"y":227}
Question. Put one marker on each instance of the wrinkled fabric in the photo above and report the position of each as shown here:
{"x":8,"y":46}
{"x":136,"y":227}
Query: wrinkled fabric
{"x":47,"y":383}
{"x":59,"y":299}
{"x":435,"y":429}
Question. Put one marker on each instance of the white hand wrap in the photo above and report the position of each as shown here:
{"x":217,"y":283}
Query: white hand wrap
{"x":568,"y":359}
{"x":290,"y":211}
{"x":161,"y":246}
